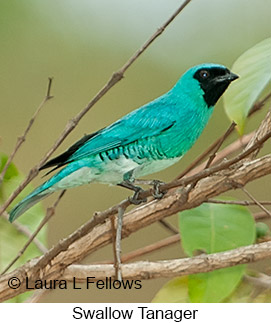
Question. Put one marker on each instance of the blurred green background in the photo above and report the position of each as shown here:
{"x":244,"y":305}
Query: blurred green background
{"x":80,"y":44}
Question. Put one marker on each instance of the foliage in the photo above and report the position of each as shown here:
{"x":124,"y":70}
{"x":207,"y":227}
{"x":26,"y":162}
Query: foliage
{"x":254,"y":69}
{"x":11,"y":240}
{"x":212,"y":228}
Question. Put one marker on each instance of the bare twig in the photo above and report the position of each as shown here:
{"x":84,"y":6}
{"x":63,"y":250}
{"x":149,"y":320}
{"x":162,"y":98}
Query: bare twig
{"x":244,"y":203}
{"x":256,"y":201}
{"x":150,"y":248}
{"x":219,"y":144}
{"x":115,"y":78}
{"x":50,"y":212}
{"x":260,"y":215}
{"x":175,"y":267}
{"x":144,"y":269}
{"x":22,"y":138}
{"x":226,"y":152}
{"x":168,"y":226}
{"x":166,"y":268}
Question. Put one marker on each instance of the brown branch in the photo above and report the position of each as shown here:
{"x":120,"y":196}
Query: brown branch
{"x":176,"y":267}
{"x":260,"y":205}
{"x":226,"y":152}
{"x":95,"y":237}
{"x":170,"y":228}
{"x":115,"y":78}
{"x":219,"y":144}
{"x":244,"y":203}
{"x":146,"y":250}
{"x":260,"y":133}
{"x":22,"y":138}
{"x":260,"y":216}
{"x":151,"y":248}
{"x":145,"y":270}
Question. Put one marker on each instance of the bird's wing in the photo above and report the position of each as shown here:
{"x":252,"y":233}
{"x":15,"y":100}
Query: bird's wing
{"x":147,"y":121}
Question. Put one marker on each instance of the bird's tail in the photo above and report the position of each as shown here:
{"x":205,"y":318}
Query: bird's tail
{"x":37,"y":195}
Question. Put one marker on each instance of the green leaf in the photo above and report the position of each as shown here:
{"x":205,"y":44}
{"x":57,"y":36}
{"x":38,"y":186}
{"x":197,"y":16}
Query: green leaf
{"x":214,"y":228}
{"x":254,"y":69}
{"x":11,"y":240}
{"x":174,"y":291}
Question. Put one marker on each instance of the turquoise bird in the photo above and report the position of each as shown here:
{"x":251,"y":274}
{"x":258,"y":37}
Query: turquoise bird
{"x":147,"y":140}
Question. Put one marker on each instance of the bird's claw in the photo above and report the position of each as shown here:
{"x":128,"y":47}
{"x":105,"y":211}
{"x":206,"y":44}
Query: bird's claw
{"x":135,"y":198}
{"x":157,"y":194}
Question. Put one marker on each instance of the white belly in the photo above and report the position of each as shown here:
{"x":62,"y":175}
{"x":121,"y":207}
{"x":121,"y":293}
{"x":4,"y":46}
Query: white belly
{"x":113,"y":172}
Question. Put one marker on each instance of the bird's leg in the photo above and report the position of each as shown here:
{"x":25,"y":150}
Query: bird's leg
{"x":157,"y":194}
{"x":134,"y":199}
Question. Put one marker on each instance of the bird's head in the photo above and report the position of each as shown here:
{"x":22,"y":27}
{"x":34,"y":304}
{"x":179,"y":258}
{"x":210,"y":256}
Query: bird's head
{"x":208,"y":80}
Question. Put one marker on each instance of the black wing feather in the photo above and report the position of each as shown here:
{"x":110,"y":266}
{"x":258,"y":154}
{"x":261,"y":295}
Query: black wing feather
{"x":62,"y":159}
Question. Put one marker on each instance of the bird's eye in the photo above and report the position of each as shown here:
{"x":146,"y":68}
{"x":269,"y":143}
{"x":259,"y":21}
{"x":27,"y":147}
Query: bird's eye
{"x":204,"y":74}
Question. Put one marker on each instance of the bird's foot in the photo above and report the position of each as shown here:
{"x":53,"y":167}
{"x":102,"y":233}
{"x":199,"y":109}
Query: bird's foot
{"x":157,"y":194}
{"x":135,"y":198}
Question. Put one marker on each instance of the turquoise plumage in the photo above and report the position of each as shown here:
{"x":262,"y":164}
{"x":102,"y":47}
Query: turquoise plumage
{"x":145,"y":141}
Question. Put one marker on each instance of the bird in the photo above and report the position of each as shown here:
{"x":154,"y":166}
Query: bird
{"x":145,"y":141}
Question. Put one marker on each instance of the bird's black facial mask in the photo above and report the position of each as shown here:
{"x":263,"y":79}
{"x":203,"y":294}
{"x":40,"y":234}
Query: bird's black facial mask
{"x":214,"y":82}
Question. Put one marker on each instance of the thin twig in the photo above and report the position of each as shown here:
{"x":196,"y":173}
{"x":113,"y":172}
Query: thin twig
{"x":115,"y":78}
{"x":256,"y":201}
{"x":168,"y":226}
{"x":258,"y":105}
{"x":147,"y":249}
{"x":22,"y":138}
{"x":260,"y":215}
{"x":24,"y":230}
{"x":219,"y":144}
{"x":50,"y":212}
{"x":244,"y":203}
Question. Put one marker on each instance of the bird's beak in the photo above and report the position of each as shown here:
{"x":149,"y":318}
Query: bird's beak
{"x":226,"y":78}
{"x":231,"y":77}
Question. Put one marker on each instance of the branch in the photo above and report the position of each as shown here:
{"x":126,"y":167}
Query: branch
{"x":244,"y":203}
{"x":115,"y":78}
{"x":176,"y":267}
{"x":145,"y":270}
{"x":91,"y":237}
{"x":22,"y":138}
